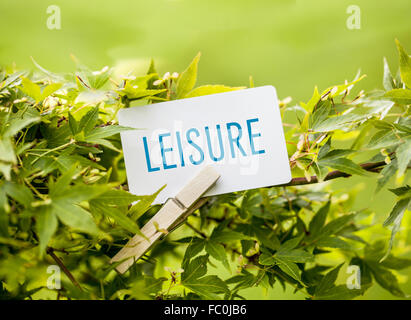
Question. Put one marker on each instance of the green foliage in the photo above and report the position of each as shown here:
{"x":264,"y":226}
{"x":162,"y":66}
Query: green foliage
{"x":64,"y":195}
{"x":188,"y":78}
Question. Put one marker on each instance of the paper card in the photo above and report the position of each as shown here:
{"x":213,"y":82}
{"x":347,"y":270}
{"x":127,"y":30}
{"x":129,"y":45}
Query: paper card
{"x":240,"y":133}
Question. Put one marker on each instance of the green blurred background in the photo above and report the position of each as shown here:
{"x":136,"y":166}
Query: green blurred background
{"x":291,"y":44}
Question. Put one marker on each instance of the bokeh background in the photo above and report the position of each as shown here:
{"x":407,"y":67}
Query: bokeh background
{"x":291,"y":44}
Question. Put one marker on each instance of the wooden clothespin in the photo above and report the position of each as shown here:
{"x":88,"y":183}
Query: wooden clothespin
{"x":174,"y":211}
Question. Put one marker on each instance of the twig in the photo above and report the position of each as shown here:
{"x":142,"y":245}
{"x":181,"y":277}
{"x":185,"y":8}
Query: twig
{"x":50,"y":251}
{"x":41,"y":196}
{"x":202,"y":234}
{"x":54,"y":149}
{"x":372,"y":167}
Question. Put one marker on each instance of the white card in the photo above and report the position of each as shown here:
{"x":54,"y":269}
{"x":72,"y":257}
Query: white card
{"x":240,"y":133}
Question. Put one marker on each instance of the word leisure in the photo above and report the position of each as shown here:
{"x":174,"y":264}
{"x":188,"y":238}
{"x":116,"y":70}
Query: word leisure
{"x":232,"y":134}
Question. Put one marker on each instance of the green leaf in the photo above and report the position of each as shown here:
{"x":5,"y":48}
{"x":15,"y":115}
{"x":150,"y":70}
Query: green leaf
{"x":153,"y":285}
{"x":14,"y":243}
{"x":141,"y":207}
{"x":207,"y":287}
{"x":5,"y":169}
{"x":31,"y":89}
{"x":374,"y":251}
{"x":401,"y":96}
{"x":340,"y":89}
{"x":336,"y":225}
{"x":388,"y":81}
{"x":56,"y":136}
{"x":325,"y":148}
{"x":4,"y":219}
{"x":104,"y":132}
{"x":151,"y":68}
{"x":397,"y":212}
{"x":320,"y":170}
{"x":227,"y":236}
{"x":73,"y":124}
{"x":327,"y":282}
{"x":333,"y":123}
{"x":65,"y":162}
{"x":403,"y":192}
{"x":89,"y":121}
{"x":117,"y":197}
{"x":210,"y":89}
{"x":360,"y":140}
{"x":396,"y":263}
{"x":333,"y":242}
{"x":188,"y":78}
{"x":405,"y":65}
{"x":62,"y":183}
{"x":266,"y":259}
{"x":335,"y":154}
{"x":106,"y":143}
{"x":117,"y":215}
{"x":19,"y":121}
{"x":194,"y":248}
{"x":19,"y":192}
{"x":403,"y":154}
{"x":243,"y":281}
{"x":318,"y":221}
{"x":345,"y":165}
{"x":385,"y":139}
{"x":80,"y":193}
{"x":320,"y":114}
{"x":91,"y":79}
{"x":406,"y":128}
{"x":386,"y":173}
{"x":46,"y":223}
{"x":340,"y":292}
{"x":295,"y":255}
{"x":51,"y":75}
{"x":313,"y":101}
{"x":251,"y":203}
{"x":50,"y":89}
{"x":395,"y":219}
{"x":289,"y":268}
{"x":194,"y":269}
{"x":268,"y":239}
{"x":366,"y":280}
{"x":218,"y":252}
{"x":7,"y":151}
{"x":135,"y":92}
{"x":386,"y":279}
{"x":75,"y":216}
{"x":291,"y":243}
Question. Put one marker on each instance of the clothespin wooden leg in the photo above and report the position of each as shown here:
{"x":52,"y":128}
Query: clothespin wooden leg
{"x":171,"y":214}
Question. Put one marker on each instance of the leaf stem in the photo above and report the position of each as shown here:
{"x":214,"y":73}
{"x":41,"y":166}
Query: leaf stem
{"x":55,"y":149}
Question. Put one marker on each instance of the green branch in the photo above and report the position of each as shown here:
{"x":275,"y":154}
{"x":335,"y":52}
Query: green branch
{"x":370,"y":166}
{"x":50,"y":251}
